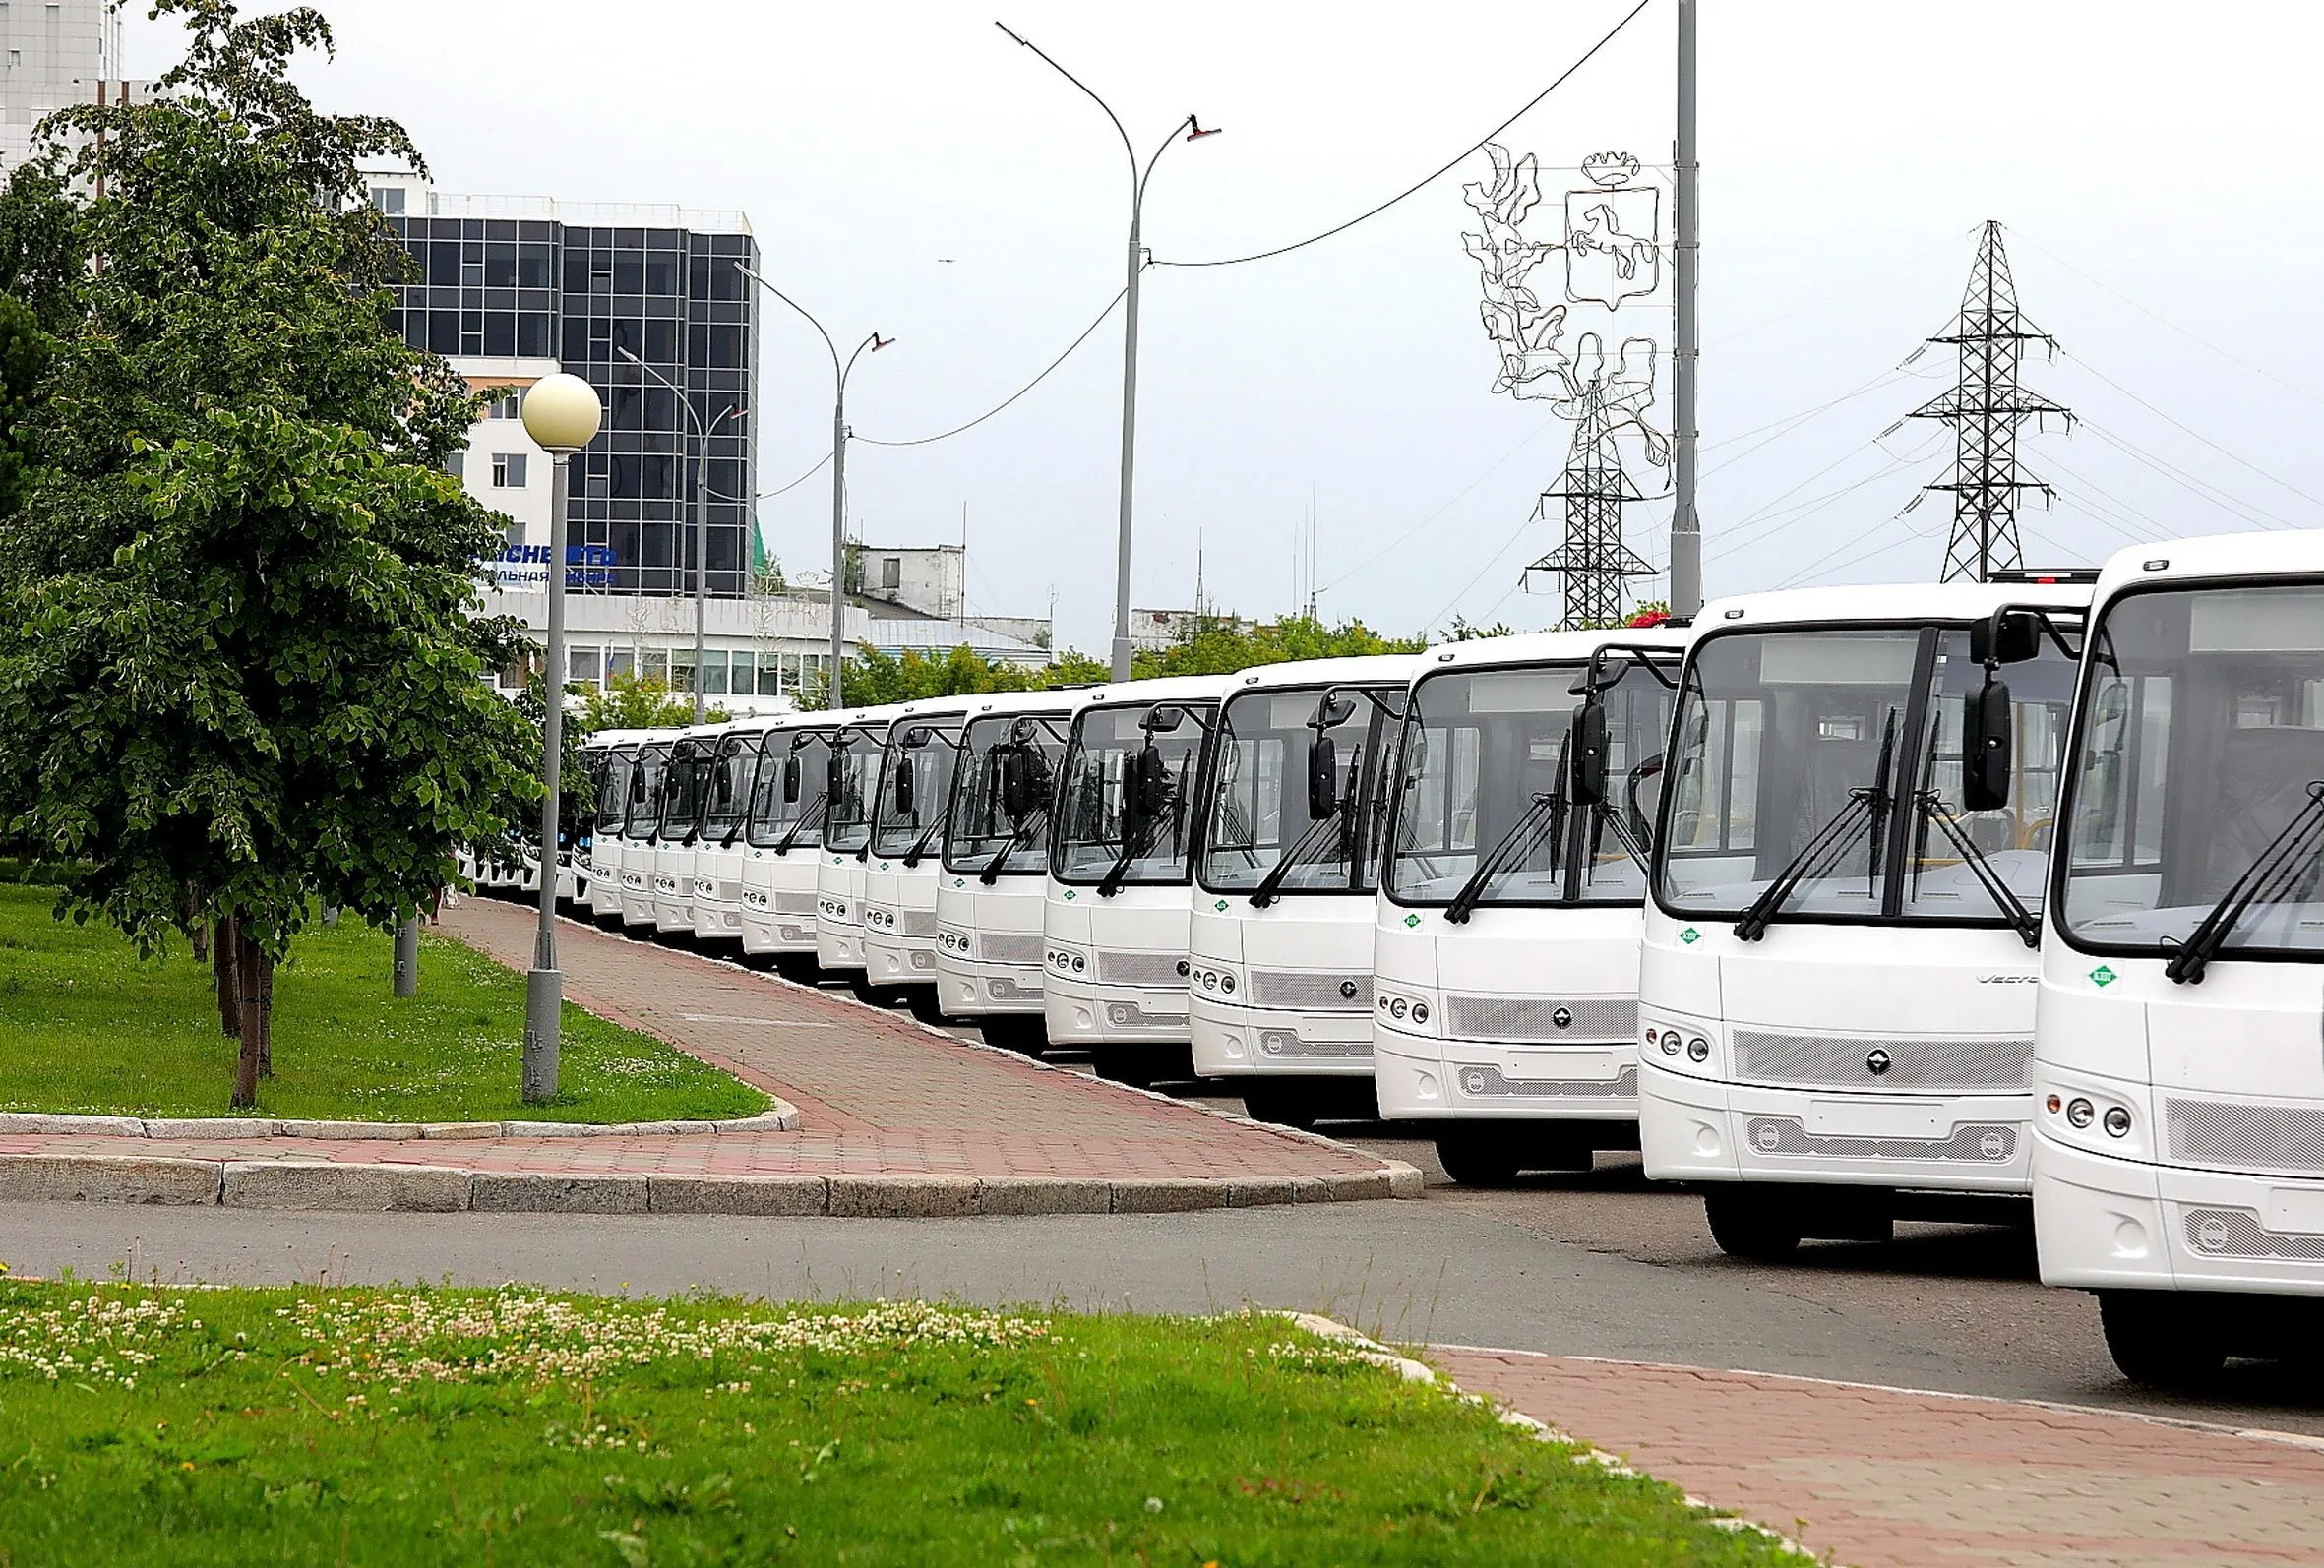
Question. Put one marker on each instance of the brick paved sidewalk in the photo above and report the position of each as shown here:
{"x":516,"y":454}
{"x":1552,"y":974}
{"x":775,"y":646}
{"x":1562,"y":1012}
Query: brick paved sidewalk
{"x":1886,"y":1479}
{"x":879,"y":1098}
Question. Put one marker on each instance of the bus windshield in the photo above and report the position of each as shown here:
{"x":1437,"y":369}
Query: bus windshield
{"x":1486,"y":782}
{"x":682,"y":781}
{"x":847,"y":820}
{"x":1088,"y":843}
{"x":1260,"y":807}
{"x":1829,"y":754}
{"x":645,"y":791}
{"x":612,"y":791}
{"x":981,"y":826}
{"x":726,"y":795}
{"x":2199,"y":768}
{"x":798,"y":821}
{"x":915,"y":787}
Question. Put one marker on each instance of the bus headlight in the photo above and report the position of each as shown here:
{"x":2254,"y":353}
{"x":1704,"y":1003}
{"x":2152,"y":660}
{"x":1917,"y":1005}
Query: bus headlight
{"x":1697,"y":1049}
{"x":1420,"y":1012}
{"x":2080,"y":1113}
{"x":2118,"y":1123}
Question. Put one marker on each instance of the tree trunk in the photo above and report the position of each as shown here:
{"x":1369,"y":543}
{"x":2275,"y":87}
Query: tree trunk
{"x":248,"y":988}
{"x":265,"y":1017}
{"x":226,"y":963}
{"x":197,"y":929}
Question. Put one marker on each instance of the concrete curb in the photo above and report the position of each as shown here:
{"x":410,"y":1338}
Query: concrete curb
{"x":324,"y":1186}
{"x":781,"y":1116}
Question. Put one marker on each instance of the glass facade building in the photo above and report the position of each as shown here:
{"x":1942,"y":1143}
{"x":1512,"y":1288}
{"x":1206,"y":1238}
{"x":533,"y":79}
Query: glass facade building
{"x":502,"y":288}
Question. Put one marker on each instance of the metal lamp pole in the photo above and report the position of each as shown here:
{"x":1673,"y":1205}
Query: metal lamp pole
{"x":702,"y":523}
{"x":1139,"y":178}
{"x":1685,"y":333}
{"x":562,"y":413}
{"x":839,"y":374}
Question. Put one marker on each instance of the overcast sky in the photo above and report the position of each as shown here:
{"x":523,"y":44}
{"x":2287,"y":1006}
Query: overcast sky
{"x":907,"y":169}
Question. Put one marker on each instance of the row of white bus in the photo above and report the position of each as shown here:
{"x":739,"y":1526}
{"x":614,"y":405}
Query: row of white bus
{"x":1842,"y":905}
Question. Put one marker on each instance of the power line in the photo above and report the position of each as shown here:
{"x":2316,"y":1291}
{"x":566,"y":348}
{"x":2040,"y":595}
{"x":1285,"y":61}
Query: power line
{"x":2201,"y":489}
{"x":1828,"y":295}
{"x":922,"y":441}
{"x":821,"y":463}
{"x":1493,"y":561}
{"x":1400,"y":540}
{"x":2190,"y":430}
{"x":1428,"y":179}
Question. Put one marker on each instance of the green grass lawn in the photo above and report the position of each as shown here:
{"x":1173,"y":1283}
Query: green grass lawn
{"x":86,"y":1025}
{"x":239,"y":1426}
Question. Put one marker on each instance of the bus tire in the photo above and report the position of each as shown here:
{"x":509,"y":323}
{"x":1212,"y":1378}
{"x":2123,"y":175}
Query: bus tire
{"x":1282,"y":1104}
{"x":1477,"y":1156}
{"x":2160,"y":1339}
{"x":1749,"y":1222}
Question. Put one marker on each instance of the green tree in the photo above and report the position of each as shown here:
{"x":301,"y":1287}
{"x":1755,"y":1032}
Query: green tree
{"x":23,"y":362}
{"x":636,"y":702}
{"x":1223,"y":646}
{"x":239,"y":678}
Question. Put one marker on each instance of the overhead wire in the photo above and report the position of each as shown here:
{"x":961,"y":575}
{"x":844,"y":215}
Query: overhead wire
{"x":1394,"y":544}
{"x":946,"y":435}
{"x":821,"y":463}
{"x":1430,"y":178}
{"x":2191,"y":431}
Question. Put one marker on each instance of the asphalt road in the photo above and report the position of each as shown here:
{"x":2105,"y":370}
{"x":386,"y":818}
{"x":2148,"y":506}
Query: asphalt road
{"x":1598,"y":1265}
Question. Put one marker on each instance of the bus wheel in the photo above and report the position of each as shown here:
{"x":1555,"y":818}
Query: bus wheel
{"x":1015,"y":1031}
{"x":2160,"y":1338}
{"x":1749,"y":1222}
{"x":1133,"y":1066}
{"x":1477,"y":1156}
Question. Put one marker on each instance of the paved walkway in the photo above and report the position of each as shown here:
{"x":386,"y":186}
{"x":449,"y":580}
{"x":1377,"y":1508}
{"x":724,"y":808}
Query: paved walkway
{"x":1881,"y":1478}
{"x":879,"y":1097}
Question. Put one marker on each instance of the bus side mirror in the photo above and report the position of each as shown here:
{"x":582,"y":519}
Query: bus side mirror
{"x":1985,"y":748}
{"x":1589,"y":754}
{"x":794,"y":776}
{"x":2008,"y":637}
{"x":1323,"y":777}
{"x":1016,"y":784}
{"x":906,"y":788}
{"x":835,"y":776}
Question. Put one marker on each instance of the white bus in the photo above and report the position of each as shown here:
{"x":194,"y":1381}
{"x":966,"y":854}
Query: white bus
{"x":989,"y":889}
{"x":851,"y":781}
{"x":685,"y":787}
{"x":909,"y":813}
{"x":2179,"y":1080}
{"x":1506,"y":937}
{"x":786,"y":834}
{"x":1839,"y":968}
{"x":1114,"y":915}
{"x":719,"y":852}
{"x":1280,"y":997}
{"x":640,"y":828}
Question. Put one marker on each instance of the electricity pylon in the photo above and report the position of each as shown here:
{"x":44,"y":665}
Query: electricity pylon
{"x":1985,"y":407}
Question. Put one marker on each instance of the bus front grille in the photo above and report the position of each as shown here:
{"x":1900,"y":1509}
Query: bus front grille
{"x":2236,"y":1136}
{"x":1589,"y":1021}
{"x":1309,"y":991}
{"x":1141,"y":969}
{"x":1873,"y":1062}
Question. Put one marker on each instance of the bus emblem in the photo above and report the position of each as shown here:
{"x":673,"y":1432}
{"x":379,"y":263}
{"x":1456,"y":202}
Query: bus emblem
{"x":1690,"y":936}
{"x":1411,"y":921}
{"x":2104,"y":977}
{"x":1878,"y":1063}
{"x":1220,"y":906}
{"x":1562,"y":1017}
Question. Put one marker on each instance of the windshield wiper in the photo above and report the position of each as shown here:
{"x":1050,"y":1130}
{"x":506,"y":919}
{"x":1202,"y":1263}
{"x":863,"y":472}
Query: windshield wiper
{"x":2271,"y":875}
{"x":817,"y":809}
{"x":1270,"y":884}
{"x":1867,"y":804}
{"x":920,"y":846}
{"x":1549,"y":806}
{"x":1133,"y":847}
{"x":2026,"y":922}
{"x":1017,"y":840}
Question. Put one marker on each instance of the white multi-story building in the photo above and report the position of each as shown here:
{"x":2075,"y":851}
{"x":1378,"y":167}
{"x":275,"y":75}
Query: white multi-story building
{"x":55,"y":53}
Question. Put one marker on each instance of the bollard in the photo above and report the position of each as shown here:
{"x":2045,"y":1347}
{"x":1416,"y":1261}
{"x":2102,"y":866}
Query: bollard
{"x":408,"y":958}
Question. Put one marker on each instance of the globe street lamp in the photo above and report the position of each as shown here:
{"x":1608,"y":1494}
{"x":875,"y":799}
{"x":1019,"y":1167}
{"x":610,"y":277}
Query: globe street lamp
{"x":562,"y":413}
{"x":1139,"y":178}
{"x":839,"y":374}
{"x":702,"y":518}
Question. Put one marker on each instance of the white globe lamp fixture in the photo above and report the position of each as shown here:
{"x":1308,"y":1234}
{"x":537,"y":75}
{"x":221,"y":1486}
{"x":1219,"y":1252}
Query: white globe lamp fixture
{"x":562,"y":413}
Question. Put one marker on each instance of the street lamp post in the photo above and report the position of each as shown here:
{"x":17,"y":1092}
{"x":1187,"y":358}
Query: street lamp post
{"x":702,"y":522}
{"x":562,"y":413}
{"x":1139,"y":178}
{"x":839,"y":374}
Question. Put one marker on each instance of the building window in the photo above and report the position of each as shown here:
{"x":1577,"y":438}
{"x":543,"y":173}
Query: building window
{"x":891,"y":572}
{"x":511,"y":407}
{"x":656,"y":664}
{"x":746,"y":679}
{"x":622,"y":662}
{"x":508,"y":470}
{"x":770,"y":674}
{"x":456,"y":466}
{"x":582,"y":665}
{"x":682,"y":669}
{"x":715,"y":672}
{"x":388,"y":199}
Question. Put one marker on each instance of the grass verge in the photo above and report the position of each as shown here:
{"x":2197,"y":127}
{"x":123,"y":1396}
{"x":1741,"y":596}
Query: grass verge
{"x":88,"y":1026}
{"x":229,"y":1426}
